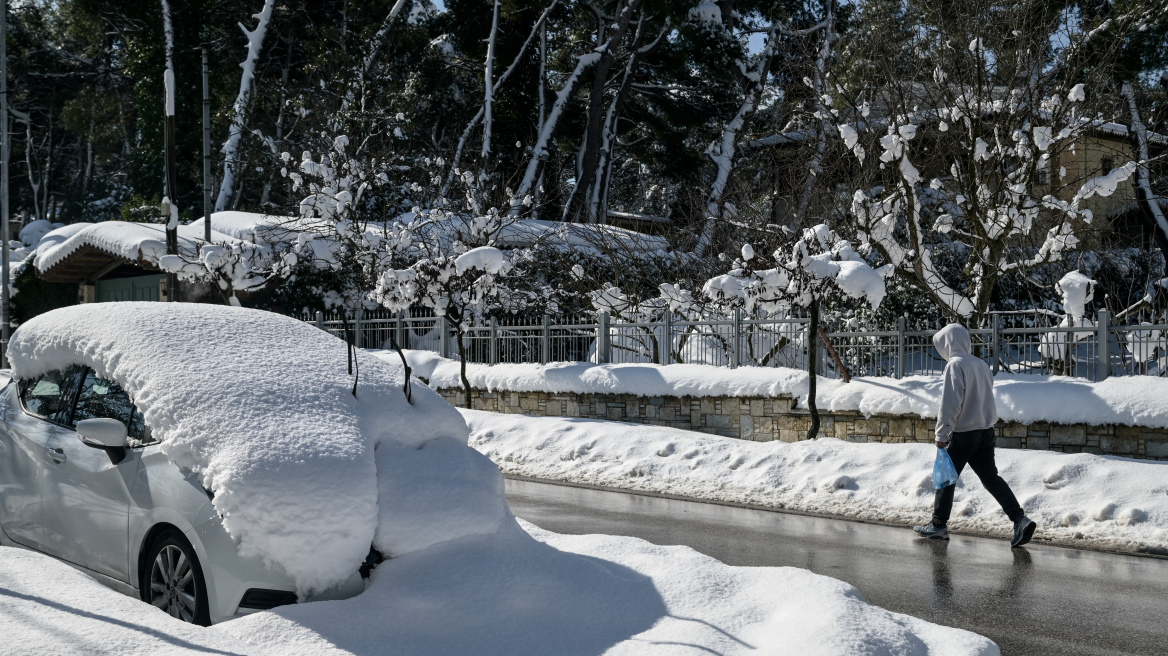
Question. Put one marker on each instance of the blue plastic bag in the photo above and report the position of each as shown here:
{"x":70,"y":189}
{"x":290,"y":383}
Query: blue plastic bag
{"x":944,"y":473}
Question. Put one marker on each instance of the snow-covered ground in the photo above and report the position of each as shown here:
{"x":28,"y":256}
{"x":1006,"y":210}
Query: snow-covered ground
{"x":1080,"y":499}
{"x":1128,"y":400}
{"x":308,"y":474}
{"x":526,"y":592}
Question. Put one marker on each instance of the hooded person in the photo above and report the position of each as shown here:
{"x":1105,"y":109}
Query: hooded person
{"x":965,"y":428}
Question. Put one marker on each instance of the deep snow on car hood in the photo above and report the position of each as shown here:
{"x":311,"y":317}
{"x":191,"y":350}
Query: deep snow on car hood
{"x":259,"y":406}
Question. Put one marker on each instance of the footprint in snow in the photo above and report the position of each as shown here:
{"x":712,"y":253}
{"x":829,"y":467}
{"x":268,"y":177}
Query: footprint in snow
{"x":923,"y":485}
{"x":1062,"y":476}
{"x":1130,"y":516}
{"x":666,"y":450}
{"x":841,"y":482}
{"x":1105,"y":512}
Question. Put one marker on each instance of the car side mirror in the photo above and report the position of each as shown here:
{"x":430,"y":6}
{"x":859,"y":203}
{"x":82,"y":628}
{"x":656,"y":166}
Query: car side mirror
{"x":106,"y":434}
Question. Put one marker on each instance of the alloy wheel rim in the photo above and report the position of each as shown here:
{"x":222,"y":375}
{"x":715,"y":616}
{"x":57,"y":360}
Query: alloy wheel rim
{"x":172,"y":584}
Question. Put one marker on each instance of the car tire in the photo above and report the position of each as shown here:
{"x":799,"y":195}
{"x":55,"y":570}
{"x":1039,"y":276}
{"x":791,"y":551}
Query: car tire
{"x":172,"y":579}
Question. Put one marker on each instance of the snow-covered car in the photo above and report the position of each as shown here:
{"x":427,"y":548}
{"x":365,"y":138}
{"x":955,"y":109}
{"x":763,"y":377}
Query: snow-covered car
{"x":82,"y":479}
{"x":211,"y":460}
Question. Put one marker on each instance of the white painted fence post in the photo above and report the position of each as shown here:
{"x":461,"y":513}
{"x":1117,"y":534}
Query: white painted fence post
{"x":443,"y":337}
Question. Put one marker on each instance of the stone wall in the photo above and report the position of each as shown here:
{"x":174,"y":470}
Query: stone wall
{"x":764,"y":419}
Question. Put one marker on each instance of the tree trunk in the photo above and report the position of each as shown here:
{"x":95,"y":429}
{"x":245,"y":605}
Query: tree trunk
{"x":1142,"y":183}
{"x":540,"y":25}
{"x":812,"y":359}
{"x":577,"y":209}
{"x":539,"y":151}
{"x":462,"y":364}
{"x":255,"y":41}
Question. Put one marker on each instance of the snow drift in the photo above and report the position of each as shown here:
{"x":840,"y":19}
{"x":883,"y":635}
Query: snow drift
{"x":523,"y":592}
{"x":258,"y":406}
{"x":1082,"y":500}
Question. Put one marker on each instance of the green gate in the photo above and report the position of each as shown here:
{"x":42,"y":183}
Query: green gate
{"x":138,"y":288}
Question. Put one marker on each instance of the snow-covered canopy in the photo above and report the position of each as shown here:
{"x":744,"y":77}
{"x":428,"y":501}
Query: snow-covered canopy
{"x":516,"y":233}
{"x":144,"y":242}
{"x":522,"y":233}
{"x":258,"y":407}
{"x":253,"y":227}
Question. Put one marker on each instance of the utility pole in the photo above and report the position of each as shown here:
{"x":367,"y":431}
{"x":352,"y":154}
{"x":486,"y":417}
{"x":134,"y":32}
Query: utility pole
{"x":206,"y":150}
{"x":170,"y":203}
{"x":5,"y":295}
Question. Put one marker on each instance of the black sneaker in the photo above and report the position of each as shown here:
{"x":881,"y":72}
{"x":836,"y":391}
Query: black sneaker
{"x":1023,"y":531}
{"x":932,"y":532}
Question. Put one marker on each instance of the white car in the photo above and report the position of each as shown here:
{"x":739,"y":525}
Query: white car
{"x":82,"y":480}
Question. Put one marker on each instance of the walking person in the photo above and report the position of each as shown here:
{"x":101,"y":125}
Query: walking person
{"x":965,"y":427}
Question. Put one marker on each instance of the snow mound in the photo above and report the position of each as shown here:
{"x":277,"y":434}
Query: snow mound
{"x":258,"y":406}
{"x":132,"y":241}
{"x":32,"y":232}
{"x":1126,"y":400}
{"x":49,"y":608}
{"x":589,"y":595}
{"x":522,"y":592}
{"x":883,"y":482}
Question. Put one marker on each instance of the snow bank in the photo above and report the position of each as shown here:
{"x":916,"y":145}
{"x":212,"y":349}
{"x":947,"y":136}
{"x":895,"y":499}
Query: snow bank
{"x":1080,"y":499}
{"x":524,"y":592}
{"x":585,"y":595}
{"x":258,"y":406}
{"x":49,"y":608}
{"x":1126,"y":400}
{"x":133,"y":241}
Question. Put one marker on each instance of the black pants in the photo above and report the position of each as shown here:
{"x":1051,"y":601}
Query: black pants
{"x":977,"y":449}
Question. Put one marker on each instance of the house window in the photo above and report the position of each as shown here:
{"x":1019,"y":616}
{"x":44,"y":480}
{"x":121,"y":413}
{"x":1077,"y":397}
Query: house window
{"x":1106,"y":164}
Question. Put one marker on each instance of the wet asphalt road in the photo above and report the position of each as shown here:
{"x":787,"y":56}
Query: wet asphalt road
{"x":1035,"y":600}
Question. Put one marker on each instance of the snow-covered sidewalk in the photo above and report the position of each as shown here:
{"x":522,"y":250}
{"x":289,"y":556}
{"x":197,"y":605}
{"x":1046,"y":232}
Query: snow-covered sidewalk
{"x":1079,"y":499}
{"x":554,"y":595}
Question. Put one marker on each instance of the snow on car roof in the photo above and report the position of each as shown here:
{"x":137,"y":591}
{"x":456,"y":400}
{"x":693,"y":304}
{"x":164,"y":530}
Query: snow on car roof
{"x":133,"y":241}
{"x":258,"y":407}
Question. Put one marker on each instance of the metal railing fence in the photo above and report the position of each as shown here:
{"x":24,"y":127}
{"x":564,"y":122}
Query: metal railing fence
{"x":1018,"y":343}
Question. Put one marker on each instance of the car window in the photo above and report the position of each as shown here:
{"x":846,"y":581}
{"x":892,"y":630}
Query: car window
{"x":42,"y":396}
{"x":103,"y":398}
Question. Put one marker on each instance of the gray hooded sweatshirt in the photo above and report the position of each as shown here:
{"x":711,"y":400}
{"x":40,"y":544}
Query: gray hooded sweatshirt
{"x":967,"y":396}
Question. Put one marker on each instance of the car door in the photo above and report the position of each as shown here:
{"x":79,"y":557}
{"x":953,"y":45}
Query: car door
{"x":28,"y":410}
{"x":87,"y":496}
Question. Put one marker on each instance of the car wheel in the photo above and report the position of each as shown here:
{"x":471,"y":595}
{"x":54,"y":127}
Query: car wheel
{"x":172,"y":579}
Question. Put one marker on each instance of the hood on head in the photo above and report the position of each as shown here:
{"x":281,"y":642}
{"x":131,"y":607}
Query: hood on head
{"x":953,"y":340}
